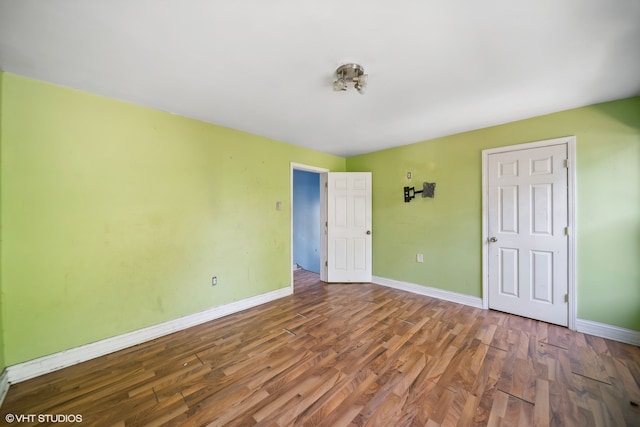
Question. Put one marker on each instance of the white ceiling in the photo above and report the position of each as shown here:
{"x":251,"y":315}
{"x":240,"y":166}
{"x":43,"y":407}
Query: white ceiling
{"x":436,"y":67}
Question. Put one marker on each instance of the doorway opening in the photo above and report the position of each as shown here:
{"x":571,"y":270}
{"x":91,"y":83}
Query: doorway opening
{"x":306,"y":221}
{"x":341,"y":216}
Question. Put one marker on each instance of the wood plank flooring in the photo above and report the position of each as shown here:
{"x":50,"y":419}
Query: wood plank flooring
{"x":350,"y":355}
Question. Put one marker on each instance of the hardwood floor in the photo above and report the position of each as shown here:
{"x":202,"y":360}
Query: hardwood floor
{"x":351,"y":354}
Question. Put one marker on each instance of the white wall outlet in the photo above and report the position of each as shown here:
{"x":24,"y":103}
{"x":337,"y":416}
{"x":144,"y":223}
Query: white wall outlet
{"x":419,"y":258}
{"x":408,"y":175}
{"x":214,"y":280}
{"x":278,"y":206}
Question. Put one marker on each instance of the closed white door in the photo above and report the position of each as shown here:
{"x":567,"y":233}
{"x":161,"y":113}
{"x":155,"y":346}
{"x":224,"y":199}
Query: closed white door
{"x":348,"y":226}
{"x":527,"y":232}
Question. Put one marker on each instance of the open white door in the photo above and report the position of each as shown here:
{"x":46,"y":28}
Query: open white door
{"x":348,"y":226}
{"x":527,"y":239}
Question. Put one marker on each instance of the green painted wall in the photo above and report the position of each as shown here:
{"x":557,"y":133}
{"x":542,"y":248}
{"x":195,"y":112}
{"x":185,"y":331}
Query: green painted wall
{"x":115,"y":216}
{"x":447,"y":229}
{"x":2,"y":363}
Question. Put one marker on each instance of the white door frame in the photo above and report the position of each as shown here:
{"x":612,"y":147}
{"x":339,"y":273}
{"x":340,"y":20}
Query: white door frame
{"x":570,"y":142}
{"x":323,"y":207}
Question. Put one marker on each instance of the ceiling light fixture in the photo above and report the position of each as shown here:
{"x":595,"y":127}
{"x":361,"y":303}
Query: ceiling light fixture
{"x":350,"y":73}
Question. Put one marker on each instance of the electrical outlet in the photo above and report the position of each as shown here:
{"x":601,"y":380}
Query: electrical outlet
{"x":214,"y":280}
{"x":419,"y":258}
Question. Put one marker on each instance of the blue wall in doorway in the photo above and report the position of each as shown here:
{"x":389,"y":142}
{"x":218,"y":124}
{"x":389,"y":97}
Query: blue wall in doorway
{"x":306,"y":220}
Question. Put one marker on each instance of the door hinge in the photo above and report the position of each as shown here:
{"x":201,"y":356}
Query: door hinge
{"x":326,"y":264}
{"x":566,"y":297}
{"x":566,"y":163}
{"x":566,"y":231}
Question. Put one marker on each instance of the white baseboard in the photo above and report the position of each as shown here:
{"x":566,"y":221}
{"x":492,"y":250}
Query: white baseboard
{"x":53,"y":362}
{"x":603,"y":330}
{"x":430,"y":292}
{"x":4,"y":385}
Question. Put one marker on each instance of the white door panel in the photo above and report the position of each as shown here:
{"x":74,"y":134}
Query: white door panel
{"x":528,"y":248}
{"x":348,"y":226}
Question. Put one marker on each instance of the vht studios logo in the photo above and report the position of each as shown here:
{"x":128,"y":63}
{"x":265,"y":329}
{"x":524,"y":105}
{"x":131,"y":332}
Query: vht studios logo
{"x":43,"y":418}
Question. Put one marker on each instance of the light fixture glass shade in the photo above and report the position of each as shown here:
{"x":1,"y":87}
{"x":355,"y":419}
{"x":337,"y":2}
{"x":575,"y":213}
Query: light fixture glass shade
{"x":361,"y":83}
{"x":339,"y":84}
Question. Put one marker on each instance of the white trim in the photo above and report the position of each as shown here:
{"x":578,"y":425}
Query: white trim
{"x":485,"y":228}
{"x":429,"y":292}
{"x":53,"y":362}
{"x":4,"y":385}
{"x":308,"y":168}
{"x":324,"y":227}
{"x":570,"y":142}
{"x":603,"y":330}
{"x":302,"y":167}
{"x":572,"y":193}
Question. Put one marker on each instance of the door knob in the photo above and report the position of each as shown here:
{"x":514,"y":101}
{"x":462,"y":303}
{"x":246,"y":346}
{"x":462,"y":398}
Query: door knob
{"x":368,"y":231}
{"x":493,"y":239}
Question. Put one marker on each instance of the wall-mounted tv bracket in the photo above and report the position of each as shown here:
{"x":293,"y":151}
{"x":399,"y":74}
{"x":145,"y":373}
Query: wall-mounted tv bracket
{"x":428,"y":190}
